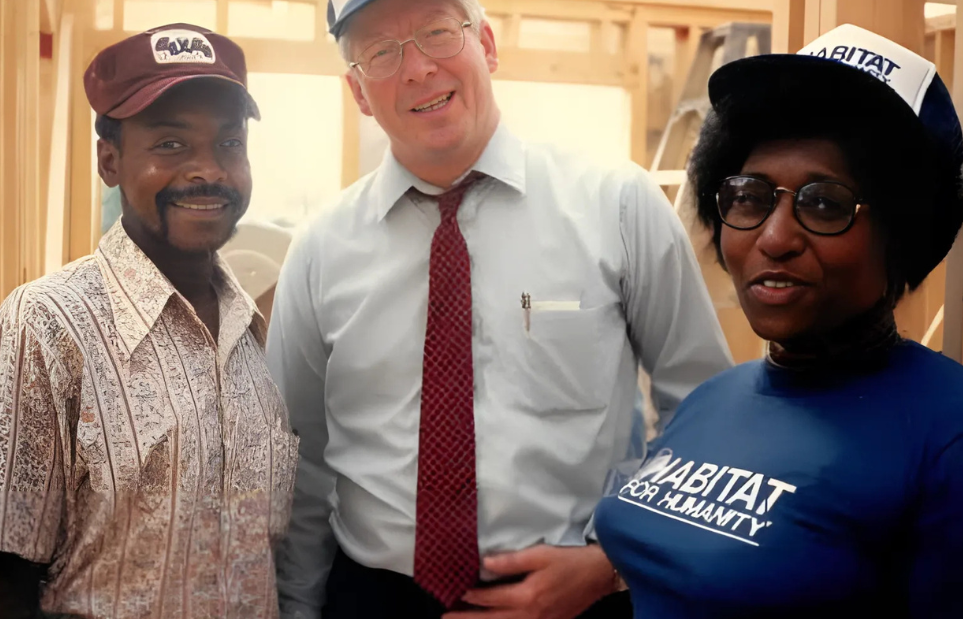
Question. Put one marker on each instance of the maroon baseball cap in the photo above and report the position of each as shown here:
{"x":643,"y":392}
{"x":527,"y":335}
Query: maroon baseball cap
{"x":124,"y":79}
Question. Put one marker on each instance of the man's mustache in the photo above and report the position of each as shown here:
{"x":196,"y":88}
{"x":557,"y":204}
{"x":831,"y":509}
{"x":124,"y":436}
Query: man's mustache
{"x":169,"y":195}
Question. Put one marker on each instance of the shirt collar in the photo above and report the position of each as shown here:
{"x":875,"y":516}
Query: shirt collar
{"x":503,"y":160}
{"x":139,"y":292}
{"x":239,"y":312}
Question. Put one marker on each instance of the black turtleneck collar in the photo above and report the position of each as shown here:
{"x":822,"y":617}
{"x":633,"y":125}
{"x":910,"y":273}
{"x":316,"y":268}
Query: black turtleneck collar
{"x":861,"y":343}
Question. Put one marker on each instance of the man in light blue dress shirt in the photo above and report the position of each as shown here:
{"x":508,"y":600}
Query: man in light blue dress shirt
{"x":612,"y":283}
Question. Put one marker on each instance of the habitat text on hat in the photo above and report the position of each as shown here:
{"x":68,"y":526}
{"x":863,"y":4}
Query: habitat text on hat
{"x":907,"y":73}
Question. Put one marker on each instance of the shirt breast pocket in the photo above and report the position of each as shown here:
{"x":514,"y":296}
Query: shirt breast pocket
{"x":562,"y":361}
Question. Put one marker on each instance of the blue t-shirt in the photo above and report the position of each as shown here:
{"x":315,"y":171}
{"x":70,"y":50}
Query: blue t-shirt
{"x":777,"y":494}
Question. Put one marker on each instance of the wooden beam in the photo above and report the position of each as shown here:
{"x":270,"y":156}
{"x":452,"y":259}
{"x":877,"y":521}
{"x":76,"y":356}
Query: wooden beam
{"x":221,"y":19}
{"x":829,"y":14}
{"x":788,"y":26}
{"x":932,"y":333}
{"x":118,"y":14}
{"x":941,"y":22}
{"x":609,"y":32}
{"x":935,"y":297}
{"x":899,"y":20}
{"x":637,"y":62}
{"x":512,"y":33}
{"x":321,"y":22}
{"x":902,"y":21}
{"x":50,"y":11}
{"x":944,"y":55}
{"x":307,"y":57}
{"x":80,"y":211}
{"x":55,"y":245}
{"x":735,"y":5}
{"x":30,"y":140}
{"x":535,"y":65}
{"x":668,"y":178}
{"x":704,"y":13}
{"x":9,"y":211}
{"x":350,"y":136}
{"x":686,"y":47}
{"x":596,"y":42}
{"x":812,"y":26}
{"x":577,"y":10}
{"x":48,"y":79}
{"x":20,"y":242}
{"x":953,"y":303}
{"x":702,"y":17}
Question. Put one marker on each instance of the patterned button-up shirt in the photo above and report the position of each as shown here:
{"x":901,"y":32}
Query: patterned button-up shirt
{"x":151,"y":468}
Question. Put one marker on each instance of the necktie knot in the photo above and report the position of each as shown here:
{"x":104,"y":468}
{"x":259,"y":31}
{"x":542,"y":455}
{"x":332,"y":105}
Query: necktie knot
{"x":449,"y":201}
{"x":449,"y":209}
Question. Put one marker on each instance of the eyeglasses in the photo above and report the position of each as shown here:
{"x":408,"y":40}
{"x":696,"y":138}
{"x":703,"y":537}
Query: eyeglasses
{"x":439,"y":39}
{"x":826,"y":208}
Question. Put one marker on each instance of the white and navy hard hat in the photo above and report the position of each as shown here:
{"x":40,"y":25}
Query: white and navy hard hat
{"x":857,"y":74}
{"x":854,"y":59}
{"x":339,"y":11}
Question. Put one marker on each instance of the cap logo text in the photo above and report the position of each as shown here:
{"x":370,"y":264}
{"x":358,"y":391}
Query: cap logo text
{"x":877,"y":65}
{"x":181,"y":46}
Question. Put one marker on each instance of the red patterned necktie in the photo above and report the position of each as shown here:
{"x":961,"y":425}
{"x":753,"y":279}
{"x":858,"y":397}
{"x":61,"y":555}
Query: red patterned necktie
{"x":446,"y":530}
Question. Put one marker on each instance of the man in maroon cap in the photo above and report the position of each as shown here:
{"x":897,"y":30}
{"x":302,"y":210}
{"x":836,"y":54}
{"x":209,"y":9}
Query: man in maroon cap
{"x":146,"y":460}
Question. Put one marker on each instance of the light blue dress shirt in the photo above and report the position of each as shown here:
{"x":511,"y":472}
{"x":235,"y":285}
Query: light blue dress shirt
{"x":613,"y":283}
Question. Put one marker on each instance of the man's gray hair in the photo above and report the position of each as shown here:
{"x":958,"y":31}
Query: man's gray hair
{"x":472,"y":9}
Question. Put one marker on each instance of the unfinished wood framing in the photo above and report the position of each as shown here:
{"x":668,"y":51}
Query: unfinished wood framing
{"x":727,"y":5}
{"x":730,"y":41}
{"x":350,"y":137}
{"x":20,"y":229}
{"x":939,"y":45}
{"x":899,"y":20}
{"x":627,"y":68}
{"x":80,"y":210}
{"x":637,"y":58}
{"x":953,"y":279}
{"x":50,"y":15}
{"x":55,"y":244}
{"x":47,"y":182}
{"x":51,"y":211}
{"x":686,"y":47}
{"x":788,"y":26}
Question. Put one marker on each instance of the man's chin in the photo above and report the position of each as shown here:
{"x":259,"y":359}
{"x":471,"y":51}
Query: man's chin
{"x":443,"y":140}
{"x":201,"y":245}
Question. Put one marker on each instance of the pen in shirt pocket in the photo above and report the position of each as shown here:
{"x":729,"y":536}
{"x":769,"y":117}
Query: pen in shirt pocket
{"x":527,"y":311}
{"x":555,"y":306}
